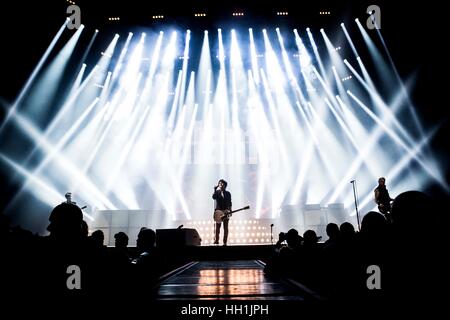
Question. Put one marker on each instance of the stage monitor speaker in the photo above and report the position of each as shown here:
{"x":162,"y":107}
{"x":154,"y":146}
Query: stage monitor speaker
{"x":177,"y":237}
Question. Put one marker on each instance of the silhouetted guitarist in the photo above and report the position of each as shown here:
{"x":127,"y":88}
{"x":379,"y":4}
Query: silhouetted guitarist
{"x":383,"y":199}
{"x":223,"y":202}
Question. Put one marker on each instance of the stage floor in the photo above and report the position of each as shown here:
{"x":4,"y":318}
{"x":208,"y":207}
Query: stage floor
{"x":230,"y":280}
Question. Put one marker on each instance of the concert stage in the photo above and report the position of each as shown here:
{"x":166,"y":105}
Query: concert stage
{"x":148,"y":112}
{"x":244,"y":230}
{"x":139,"y":109}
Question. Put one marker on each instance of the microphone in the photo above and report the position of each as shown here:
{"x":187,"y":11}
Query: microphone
{"x":180,"y":226}
{"x":352,"y":181}
{"x":83,"y":207}
{"x":271,"y":225}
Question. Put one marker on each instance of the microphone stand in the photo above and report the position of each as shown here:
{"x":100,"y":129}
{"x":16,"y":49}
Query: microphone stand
{"x":271,"y":234}
{"x":353,"y":182}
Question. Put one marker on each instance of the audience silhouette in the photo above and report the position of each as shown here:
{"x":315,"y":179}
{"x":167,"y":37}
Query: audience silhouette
{"x":408,"y":251}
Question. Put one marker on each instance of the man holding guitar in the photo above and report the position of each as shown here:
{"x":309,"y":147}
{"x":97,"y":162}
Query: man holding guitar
{"x":223,"y":203}
{"x":383,"y":199}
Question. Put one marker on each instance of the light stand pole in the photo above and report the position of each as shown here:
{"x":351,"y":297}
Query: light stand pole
{"x":353,"y":182}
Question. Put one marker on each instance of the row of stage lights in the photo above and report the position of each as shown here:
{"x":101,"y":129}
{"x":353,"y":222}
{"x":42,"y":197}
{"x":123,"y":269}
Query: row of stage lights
{"x":202,"y":14}
{"x":240,"y":222}
{"x":238,"y":233}
{"x":241,"y":231}
{"x":70,"y":2}
{"x":198,"y":15}
{"x":242,"y":241}
{"x":236,"y":228}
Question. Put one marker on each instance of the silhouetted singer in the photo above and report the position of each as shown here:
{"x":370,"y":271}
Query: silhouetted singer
{"x":223,"y":203}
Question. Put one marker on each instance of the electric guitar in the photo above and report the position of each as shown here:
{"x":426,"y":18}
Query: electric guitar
{"x":220,"y":215}
{"x":384,"y":208}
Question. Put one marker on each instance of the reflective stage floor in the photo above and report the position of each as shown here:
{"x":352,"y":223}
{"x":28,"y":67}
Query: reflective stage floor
{"x":230,"y":280}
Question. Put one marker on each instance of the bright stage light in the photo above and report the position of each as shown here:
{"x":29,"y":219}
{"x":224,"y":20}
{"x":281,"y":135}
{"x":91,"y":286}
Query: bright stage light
{"x":281,"y":130}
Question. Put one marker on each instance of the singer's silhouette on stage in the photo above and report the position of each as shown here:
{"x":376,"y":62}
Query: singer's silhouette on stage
{"x":223,"y":202}
{"x":383,"y":199}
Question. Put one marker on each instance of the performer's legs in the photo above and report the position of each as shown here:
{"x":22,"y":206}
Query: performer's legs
{"x":225,"y":231}
{"x":216,"y":240}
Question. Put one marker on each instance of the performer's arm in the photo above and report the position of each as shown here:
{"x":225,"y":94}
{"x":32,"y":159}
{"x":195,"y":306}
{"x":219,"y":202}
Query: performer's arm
{"x":216,"y":193}
{"x":377,"y":194}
